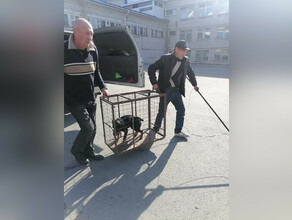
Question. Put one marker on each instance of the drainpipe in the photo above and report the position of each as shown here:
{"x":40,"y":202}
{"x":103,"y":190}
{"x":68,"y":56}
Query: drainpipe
{"x":126,"y":17}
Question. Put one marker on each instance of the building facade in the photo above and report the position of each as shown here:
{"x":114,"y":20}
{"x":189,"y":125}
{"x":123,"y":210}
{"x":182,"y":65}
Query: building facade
{"x":158,"y":24}
{"x":148,"y":31}
{"x":154,"y":8}
{"x":204,"y":25}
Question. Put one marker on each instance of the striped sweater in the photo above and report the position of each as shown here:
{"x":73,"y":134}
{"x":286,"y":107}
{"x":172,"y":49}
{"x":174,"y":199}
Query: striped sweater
{"x":81,"y":74}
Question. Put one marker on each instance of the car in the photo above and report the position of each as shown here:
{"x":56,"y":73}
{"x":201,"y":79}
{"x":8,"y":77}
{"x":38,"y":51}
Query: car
{"x":120,"y":61}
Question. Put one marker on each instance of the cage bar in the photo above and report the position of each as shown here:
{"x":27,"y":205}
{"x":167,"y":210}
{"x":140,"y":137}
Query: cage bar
{"x":122,"y":109}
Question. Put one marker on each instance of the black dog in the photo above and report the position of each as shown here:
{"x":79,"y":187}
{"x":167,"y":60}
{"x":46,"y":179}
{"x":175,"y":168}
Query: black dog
{"x":125,"y":122}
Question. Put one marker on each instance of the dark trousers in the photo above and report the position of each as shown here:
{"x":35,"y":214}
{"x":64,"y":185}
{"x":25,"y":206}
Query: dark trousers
{"x":172,"y":95}
{"x":86,"y":118}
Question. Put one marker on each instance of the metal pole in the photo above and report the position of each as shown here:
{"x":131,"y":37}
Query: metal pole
{"x":211,"y":107}
{"x":213,"y":111}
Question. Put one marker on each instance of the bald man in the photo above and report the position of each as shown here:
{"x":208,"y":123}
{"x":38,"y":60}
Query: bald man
{"x":81,"y":74}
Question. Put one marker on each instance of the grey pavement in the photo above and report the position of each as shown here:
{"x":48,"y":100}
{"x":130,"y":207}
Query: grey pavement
{"x":177,"y":179}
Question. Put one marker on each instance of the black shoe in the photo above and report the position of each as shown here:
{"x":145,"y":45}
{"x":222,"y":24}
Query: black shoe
{"x":93,"y":156}
{"x":80,"y":158}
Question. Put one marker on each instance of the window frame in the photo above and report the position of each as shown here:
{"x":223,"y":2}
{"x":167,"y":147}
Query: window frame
{"x":221,"y":11}
{"x":172,"y":14}
{"x":225,"y":33}
{"x":188,"y":35}
{"x":203,"y":31}
{"x":221,"y":53}
{"x":187,"y":7}
{"x":204,"y":55}
{"x":205,"y":7}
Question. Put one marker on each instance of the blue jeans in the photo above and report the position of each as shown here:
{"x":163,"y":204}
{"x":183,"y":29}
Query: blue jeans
{"x":172,"y":95}
{"x":85,"y":116}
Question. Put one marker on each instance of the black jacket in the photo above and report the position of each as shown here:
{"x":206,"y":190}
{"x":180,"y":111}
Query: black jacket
{"x":81,"y":74}
{"x":164,"y":65}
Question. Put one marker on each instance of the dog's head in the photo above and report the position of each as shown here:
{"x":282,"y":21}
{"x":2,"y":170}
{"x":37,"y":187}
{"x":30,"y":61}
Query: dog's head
{"x":118,"y":124}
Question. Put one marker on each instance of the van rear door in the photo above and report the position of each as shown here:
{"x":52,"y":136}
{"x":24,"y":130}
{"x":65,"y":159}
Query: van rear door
{"x":120,"y":61}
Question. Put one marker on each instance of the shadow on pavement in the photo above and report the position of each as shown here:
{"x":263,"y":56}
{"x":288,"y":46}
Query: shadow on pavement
{"x":116,"y":187}
{"x":125,"y":195}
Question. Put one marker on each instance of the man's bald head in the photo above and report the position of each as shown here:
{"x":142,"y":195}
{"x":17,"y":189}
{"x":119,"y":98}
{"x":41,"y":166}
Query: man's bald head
{"x":83,"y":33}
{"x":81,"y":23}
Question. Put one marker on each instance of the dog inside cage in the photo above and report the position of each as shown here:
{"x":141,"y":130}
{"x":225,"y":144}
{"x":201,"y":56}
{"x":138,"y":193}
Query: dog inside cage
{"x":127,"y":121}
{"x":128,"y":118}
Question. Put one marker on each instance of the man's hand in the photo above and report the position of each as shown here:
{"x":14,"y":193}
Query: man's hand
{"x":196,"y":88}
{"x":105,"y":94}
{"x":155,"y":87}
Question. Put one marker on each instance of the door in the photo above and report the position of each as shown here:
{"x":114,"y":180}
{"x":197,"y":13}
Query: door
{"x":120,"y":61}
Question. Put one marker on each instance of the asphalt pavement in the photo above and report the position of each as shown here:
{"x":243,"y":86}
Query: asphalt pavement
{"x":176,"y":179}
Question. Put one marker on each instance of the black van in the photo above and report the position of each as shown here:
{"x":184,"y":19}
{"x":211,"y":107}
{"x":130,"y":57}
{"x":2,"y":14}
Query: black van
{"x":119,"y":56}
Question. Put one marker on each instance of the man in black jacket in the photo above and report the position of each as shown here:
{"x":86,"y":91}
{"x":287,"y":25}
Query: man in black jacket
{"x":173,"y":69}
{"x":81,"y":74}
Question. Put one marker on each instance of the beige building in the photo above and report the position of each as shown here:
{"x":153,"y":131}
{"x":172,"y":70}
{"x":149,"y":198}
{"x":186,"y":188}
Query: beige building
{"x":148,"y":31}
{"x":204,"y":25}
{"x":158,"y":24}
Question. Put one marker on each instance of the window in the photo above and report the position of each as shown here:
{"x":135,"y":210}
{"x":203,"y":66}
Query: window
{"x":221,"y":55}
{"x":139,"y":5}
{"x":160,"y":5}
{"x":137,"y":30}
{"x":202,"y":55}
{"x":157,"y":33}
{"x":145,"y":9}
{"x":172,"y":33}
{"x":223,"y":7}
{"x":145,"y":31}
{"x":66,"y":22}
{"x":186,"y":35}
{"x":102,"y":23}
{"x":222,"y":33}
{"x":170,"y":12}
{"x":204,"y":34}
{"x":205,"y":10}
{"x":187,"y":12}
{"x":94,"y":22}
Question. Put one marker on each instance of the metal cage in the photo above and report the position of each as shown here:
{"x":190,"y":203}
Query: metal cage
{"x":143,"y":104}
